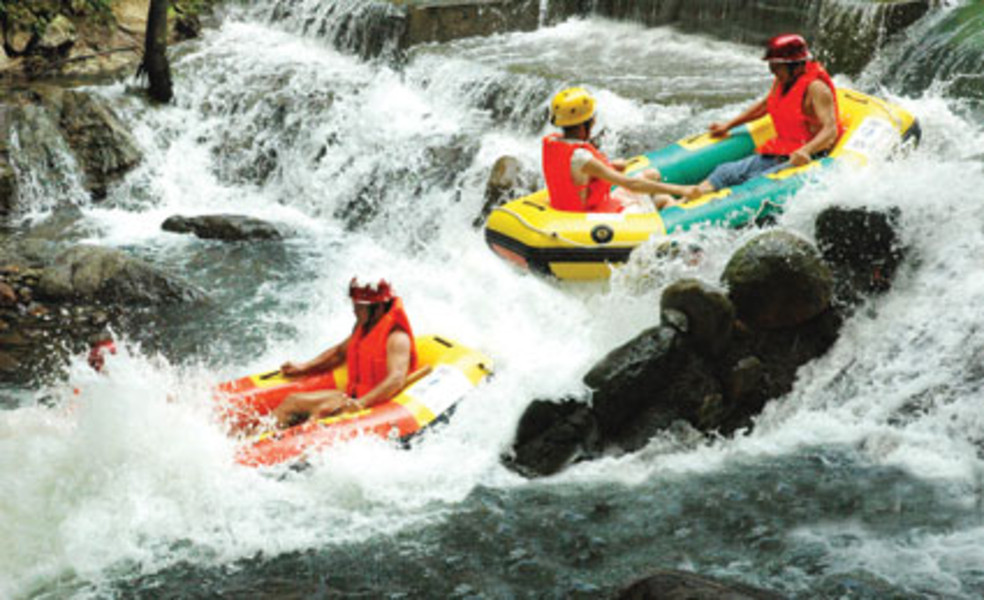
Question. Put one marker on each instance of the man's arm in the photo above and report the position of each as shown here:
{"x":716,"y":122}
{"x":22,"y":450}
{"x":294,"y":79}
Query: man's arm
{"x":821,"y":100}
{"x":397,"y":366}
{"x":599,"y":170}
{"x":755,"y":111}
{"x":326,"y":361}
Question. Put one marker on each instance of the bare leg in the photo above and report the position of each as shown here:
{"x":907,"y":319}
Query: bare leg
{"x":664,"y":200}
{"x":660,"y":201}
{"x":308,"y":404}
{"x":705,"y":187}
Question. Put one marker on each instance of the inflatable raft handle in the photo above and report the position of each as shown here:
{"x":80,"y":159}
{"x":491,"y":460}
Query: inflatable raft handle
{"x":269,"y":375}
{"x":414,"y":377}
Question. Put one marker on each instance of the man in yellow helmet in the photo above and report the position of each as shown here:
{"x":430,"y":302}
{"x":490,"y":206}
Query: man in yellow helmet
{"x":580,"y":177}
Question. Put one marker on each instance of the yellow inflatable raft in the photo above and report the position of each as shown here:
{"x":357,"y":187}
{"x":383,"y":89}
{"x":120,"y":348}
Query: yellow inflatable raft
{"x":575,"y":245}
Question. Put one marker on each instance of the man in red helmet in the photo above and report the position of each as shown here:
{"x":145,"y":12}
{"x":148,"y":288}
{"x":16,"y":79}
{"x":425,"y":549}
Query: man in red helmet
{"x":380,"y":354}
{"x":803,"y":106}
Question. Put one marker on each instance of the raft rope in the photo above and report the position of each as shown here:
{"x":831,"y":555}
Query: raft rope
{"x":557,"y":236}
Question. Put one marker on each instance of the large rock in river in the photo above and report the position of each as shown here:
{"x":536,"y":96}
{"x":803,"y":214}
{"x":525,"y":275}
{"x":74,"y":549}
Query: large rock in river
{"x":631,"y":377}
{"x":230,"y":228}
{"x":778,"y":280}
{"x":701,"y":368}
{"x":862,"y":246}
{"x":105,"y":275}
{"x":103,"y":145}
{"x":552,"y":435}
{"x":710,"y":315}
{"x":667,"y":584}
{"x":508,"y":180}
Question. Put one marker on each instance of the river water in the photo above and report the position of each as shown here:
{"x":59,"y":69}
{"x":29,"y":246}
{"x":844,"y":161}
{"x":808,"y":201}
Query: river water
{"x":865,"y":482}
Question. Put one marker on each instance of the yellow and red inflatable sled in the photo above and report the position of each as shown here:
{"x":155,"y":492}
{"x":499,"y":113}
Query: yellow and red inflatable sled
{"x":447,"y":372}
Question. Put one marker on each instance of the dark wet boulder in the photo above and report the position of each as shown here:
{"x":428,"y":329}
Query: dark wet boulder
{"x":862,"y":246}
{"x":509,"y":180}
{"x":778,"y":280}
{"x":761,"y":365}
{"x":552,"y":435}
{"x":702,"y":368}
{"x":96,"y":274}
{"x":666,"y":584}
{"x":690,"y":394}
{"x":230,"y":228}
{"x":710,"y":315}
{"x":630,"y":377}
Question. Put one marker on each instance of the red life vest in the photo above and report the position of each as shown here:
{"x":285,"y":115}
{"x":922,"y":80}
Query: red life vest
{"x":366,"y":353}
{"x":564,"y":193}
{"x":794,"y":128}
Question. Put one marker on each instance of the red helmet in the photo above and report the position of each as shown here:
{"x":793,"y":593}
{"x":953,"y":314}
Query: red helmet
{"x":370,"y":294}
{"x":788,"y":47}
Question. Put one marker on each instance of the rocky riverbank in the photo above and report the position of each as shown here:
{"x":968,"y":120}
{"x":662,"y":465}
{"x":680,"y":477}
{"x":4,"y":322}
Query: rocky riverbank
{"x":56,"y":301}
{"x":81,"y":39}
{"x":56,"y":297}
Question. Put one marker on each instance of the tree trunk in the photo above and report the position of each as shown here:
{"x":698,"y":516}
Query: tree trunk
{"x":155,"y":52}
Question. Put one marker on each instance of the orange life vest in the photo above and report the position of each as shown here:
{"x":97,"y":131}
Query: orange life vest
{"x":564,"y":193}
{"x":366,"y":353}
{"x":794,"y":128}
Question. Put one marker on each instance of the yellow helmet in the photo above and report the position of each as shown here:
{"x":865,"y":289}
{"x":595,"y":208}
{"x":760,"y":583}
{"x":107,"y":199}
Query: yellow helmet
{"x":572,"y":106}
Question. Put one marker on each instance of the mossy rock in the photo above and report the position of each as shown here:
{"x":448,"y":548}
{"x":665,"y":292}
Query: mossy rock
{"x":778,"y":280}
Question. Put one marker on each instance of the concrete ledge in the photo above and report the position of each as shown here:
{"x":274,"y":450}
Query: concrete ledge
{"x":846,"y":34}
{"x":445,"y":20}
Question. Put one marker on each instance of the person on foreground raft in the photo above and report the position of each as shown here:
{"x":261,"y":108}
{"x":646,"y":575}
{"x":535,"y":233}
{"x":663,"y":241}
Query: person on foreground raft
{"x":580,"y":177}
{"x":803,"y":107}
{"x":380,"y":354}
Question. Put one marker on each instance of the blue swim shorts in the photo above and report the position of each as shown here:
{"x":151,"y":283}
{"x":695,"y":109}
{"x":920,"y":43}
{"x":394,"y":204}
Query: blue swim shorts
{"x":731,"y":174}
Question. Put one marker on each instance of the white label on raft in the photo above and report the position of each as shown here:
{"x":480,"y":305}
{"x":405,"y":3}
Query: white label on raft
{"x":875,"y":137}
{"x":441,"y":390}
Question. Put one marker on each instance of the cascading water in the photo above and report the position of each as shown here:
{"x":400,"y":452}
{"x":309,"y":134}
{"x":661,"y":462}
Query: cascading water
{"x":46,"y":170}
{"x":369,"y":28}
{"x":864,"y":482}
{"x":945,"y":53}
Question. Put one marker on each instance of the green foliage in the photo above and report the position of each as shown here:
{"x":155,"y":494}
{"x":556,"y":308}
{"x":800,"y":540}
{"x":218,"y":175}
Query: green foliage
{"x":99,"y":5}
{"x":28,"y":12}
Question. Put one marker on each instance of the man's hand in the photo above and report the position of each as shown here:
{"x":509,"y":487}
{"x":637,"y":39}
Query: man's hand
{"x":289,"y":369}
{"x":693,"y":192}
{"x":799,"y":158}
{"x":718,"y":130}
{"x":335,"y":402}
